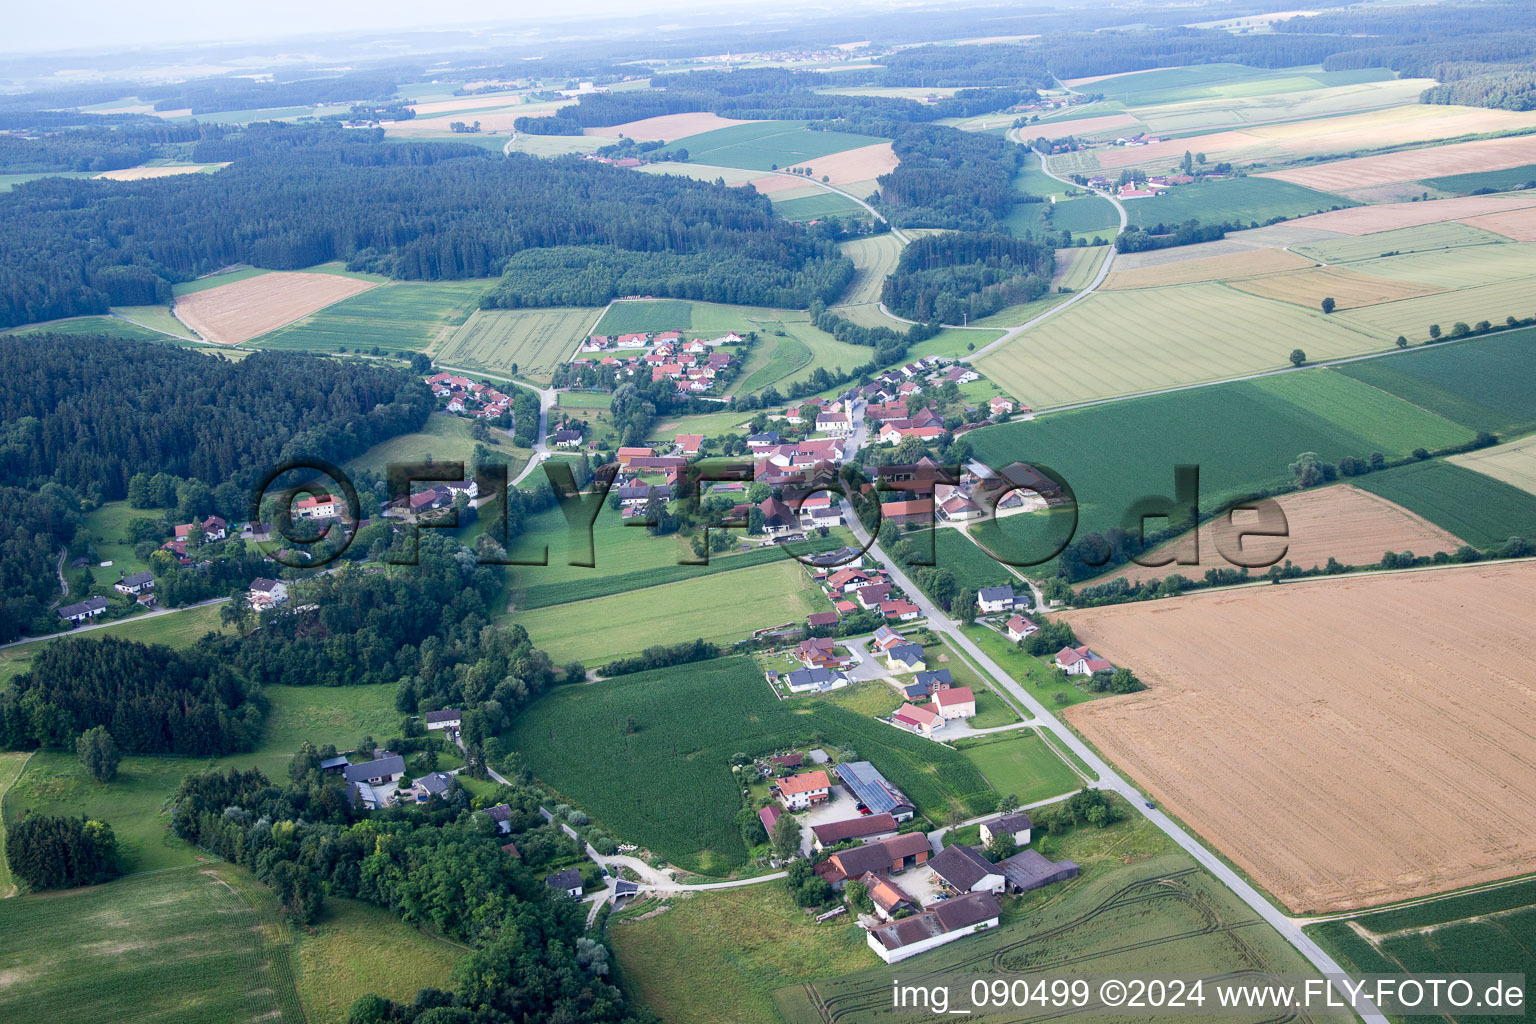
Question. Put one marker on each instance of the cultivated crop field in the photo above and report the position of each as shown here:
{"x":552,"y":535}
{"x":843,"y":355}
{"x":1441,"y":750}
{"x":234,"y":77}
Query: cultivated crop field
{"x":398,"y":317}
{"x":1514,"y":464}
{"x":1509,"y":177}
{"x":1240,"y":201}
{"x":708,"y":606}
{"x":646,"y":317}
{"x":666,"y":783}
{"x":1417,"y":164}
{"x":1075,"y":267}
{"x":1423,"y":238}
{"x":1088,"y":215}
{"x":874,"y":258}
{"x":667,"y":127}
{"x":1348,"y":288}
{"x":1341,"y":522}
{"x":246,"y":309}
{"x":526,"y":343}
{"x":1020,"y":764}
{"x":1365,"y":220}
{"x":85,"y":325}
{"x":1234,"y":110}
{"x":764,"y":145}
{"x":174,"y":945}
{"x":853,"y":169}
{"x":1412,"y":317}
{"x":817,"y":207}
{"x":1409,"y":694}
{"x":1232,"y":267}
{"x":1121,"y":342}
{"x":1482,"y":509}
{"x":1466,"y":267}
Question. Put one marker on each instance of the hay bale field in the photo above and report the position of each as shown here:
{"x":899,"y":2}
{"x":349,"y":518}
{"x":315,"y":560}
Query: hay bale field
{"x":1126,"y":342}
{"x":1514,"y":464}
{"x":245,"y":309}
{"x":1416,"y":164}
{"x":1398,"y":706}
{"x":1340,"y":522}
{"x":1347,"y":288}
{"x":1236,"y":266}
{"x":534,"y":341}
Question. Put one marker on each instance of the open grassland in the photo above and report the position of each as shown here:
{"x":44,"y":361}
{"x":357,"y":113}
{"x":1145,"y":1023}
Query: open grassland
{"x":177,"y":628}
{"x":645,"y":317}
{"x":1219,"y":82}
{"x":710,"y":424}
{"x":248,"y":308}
{"x":397,"y":317}
{"x":1412,"y":317}
{"x":1241,"y":201}
{"x":107,"y":528}
{"x":817,"y":207}
{"x":526,"y":343}
{"x":217,"y":279}
{"x":874,"y":259}
{"x":710,"y":606}
{"x":1076,"y":267}
{"x":1492,"y":929}
{"x":1341,"y":522}
{"x":1019,"y":764}
{"x":11,"y":762}
{"x":1408,"y":697}
{"x":1232,"y":110}
{"x":1483,"y":510}
{"x":794,"y":356}
{"x":664,"y":780}
{"x":1486,"y":383}
{"x":1417,"y":164}
{"x":156,"y":318}
{"x":134,"y":803}
{"x":445,"y":438}
{"x":767,"y":145}
{"x":1087,"y":215}
{"x":1138,"y":908}
{"x":1348,"y":288}
{"x":1121,"y":342}
{"x":1422,"y":238}
{"x":84,"y":325}
{"x":1514,"y":464}
{"x":357,"y":948}
{"x":1113,"y":454}
{"x":176,"y":945}
{"x":1232,"y":267}
{"x":10,"y":181}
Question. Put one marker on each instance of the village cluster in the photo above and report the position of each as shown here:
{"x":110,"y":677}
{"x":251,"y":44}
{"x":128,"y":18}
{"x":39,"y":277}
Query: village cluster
{"x":689,"y":363}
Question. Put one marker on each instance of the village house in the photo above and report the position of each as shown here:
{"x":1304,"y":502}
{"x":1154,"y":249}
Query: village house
{"x":991,"y":600}
{"x":567,"y":438}
{"x":438,"y":784}
{"x":884,"y":856}
{"x":819,"y":652}
{"x":265,"y":593}
{"x":135,"y":584}
{"x":766,"y":439}
{"x":957,"y":508}
{"x":1019,"y":627}
{"x":84,"y":610}
{"x":869,"y":597}
{"x":1080,"y":661}
{"x":925,"y":684}
{"x":865,"y":827}
{"x":688,"y":444}
{"x":501,"y":814}
{"x":1001,"y":406}
{"x":1016,"y":825}
{"x":914,"y":510}
{"x":886,"y":896}
{"x":943,"y":923}
{"x":316,"y":506}
{"x":625,"y":454}
{"x":821,"y":620}
{"x":379,"y":772}
{"x":905,"y":657}
{"x":214,"y":528}
{"x":835,"y":423}
{"x":901,"y":610}
{"x":448,"y":718}
{"x":778,"y":520}
{"x":963,"y":869}
{"x":919,"y":720}
{"x":804,"y":790}
{"x":819,"y":680}
{"x":955,"y":702}
{"x":567,"y":881}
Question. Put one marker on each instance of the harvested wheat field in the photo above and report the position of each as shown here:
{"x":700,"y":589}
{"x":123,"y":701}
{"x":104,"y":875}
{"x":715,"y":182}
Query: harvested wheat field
{"x":1517,"y":224}
{"x":1411,"y":165}
{"x":1276,"y":236}
{"x":1340,"y":522}
{"x":773,"y":184}
{"x":1347,"y":741}
{"x":1367,"y":220}
{"x":851,"y":165}
{"x":1515,"y":464}
{"x":1083,"y":126}
{"x":1210,"y":268}
{"x":159,"y":171}
{"x":666,"y":127}
{"x":232,"y":313}
{"x":1347,"y":288}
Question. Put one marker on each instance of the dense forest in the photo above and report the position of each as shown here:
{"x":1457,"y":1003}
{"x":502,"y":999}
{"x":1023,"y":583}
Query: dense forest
{"x":238,"y":92}
{"x":152,"y":699}
{"x":296,"y":197}
{"x":950,"y":179}
{"x":92,"y":411}
{"x":94,"y":149}
{"x":46,"y":852}
{"x":34,"y":525}
{"x":956,"y":275}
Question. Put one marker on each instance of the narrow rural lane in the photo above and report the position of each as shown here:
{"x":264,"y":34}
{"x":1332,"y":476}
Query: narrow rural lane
{"x":548,"y":397}
{"x":1098,"y":279}
{"x":140,"y":617}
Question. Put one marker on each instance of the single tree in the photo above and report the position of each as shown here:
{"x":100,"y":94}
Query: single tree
{"x":1434,"y":330}
{"x":785,"y":836}
{"x":1002,"y":845}
{"x":1298,"y":357}
{"x":1402,"y":342}
{"x":1328,"y":304}
{"x":98,"y":753}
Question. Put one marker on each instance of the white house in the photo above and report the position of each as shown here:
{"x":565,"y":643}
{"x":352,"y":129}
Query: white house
{"x":799,"y":792}
{"x":945,"y":922}
{"x":317,"y":506}
{"x":991,"y":600}
{"x":448,"y":718}
{"x":135,"y":584}
{"x":964,"y":869}
{"x":1019,"y":627}
{"x":955,"y":702}
{"x":87,"y":609}
{"x":1016,"y":825}
{"x":1080,"y":661}
{"x":834,"y":423}
{"x":265,"y":593}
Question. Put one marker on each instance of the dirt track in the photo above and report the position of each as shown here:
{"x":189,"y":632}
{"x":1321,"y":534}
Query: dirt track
{"x":1347,"y":742}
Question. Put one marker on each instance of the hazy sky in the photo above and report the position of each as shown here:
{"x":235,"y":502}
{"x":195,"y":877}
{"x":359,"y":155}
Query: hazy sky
{"x":97,"y":24}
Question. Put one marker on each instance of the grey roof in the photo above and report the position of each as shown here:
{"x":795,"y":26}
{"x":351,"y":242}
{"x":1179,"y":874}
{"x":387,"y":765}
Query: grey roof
{"x":445,"y":715}
{"x":962,"y":866}
{"x":565,"y":880}
{"x":623,"y":888}
{"x":873,"y":791}
{"x":437,"y":783}
{"x":1030,"y":870}
{"x":138,"y":579}
{"x":333,"y":762}
{"x":812,"y":676}
{"x":499,"y":812}
{"x":995,"y":594}
{"x":1011,"y":823}
{"x":90,"y":604}
{"x":937,"y":676}
{"x":394,"y":764}
{"x":766,"y":437}
{"x":880,"y":856}
{"x":909,"y":653}
{"x":262,"y":586}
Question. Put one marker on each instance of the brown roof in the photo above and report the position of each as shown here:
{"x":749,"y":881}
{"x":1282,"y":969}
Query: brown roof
{"x":881,"y":855}
{"x":834,"y":832}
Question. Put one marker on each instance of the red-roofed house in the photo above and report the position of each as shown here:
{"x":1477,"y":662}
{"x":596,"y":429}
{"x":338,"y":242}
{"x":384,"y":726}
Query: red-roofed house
{"x":900,"y":610}
{"x":1080,"y":661}
{"x":1019,"y":627}
{"x":955,"y":702}
{"x":804,"y":790}
{"x":627,"y":453}
{"x":689,"y":443}
{"x":1001,"y":405}
{"x":916,"y":719}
